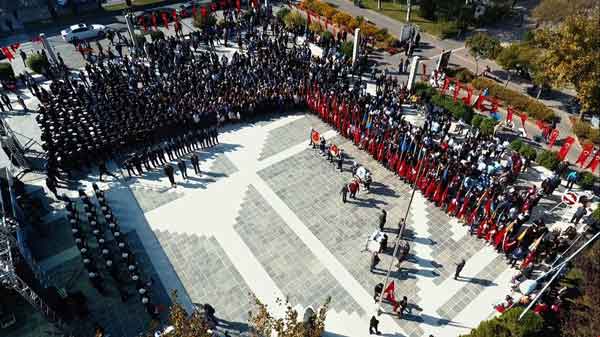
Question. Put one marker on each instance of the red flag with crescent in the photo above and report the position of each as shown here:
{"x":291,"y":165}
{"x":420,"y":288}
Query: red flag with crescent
{"x":15,"y":46}
{"x":446,"y":85}
{"x":213,"y":7}
{"x":315,"y":136}
{"x":456,"y":90}
{"x":585,"y":153}
{"x":564,"y":150}
{"x":467,"y":99}
{"x":154,"y":21}
{"x":165,"y":19}
{"x":174,"y":15}
{"x":594,"y":163}
{"x":553,"y":137}
{"x":238,"y":5}
{"x":389,"y":292}
{"x":334,"y":150}
{"x":7,"y":53}
{"x":142,"y":22}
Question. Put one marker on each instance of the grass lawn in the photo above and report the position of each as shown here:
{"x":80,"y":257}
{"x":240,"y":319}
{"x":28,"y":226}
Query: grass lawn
{"x":397,"y":11}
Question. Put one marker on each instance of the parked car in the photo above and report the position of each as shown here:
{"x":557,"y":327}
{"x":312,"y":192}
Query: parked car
{"x":83,"y":32}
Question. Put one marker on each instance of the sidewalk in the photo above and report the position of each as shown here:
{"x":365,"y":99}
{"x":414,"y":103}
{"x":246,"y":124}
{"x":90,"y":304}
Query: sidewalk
{"x":431,"y":48}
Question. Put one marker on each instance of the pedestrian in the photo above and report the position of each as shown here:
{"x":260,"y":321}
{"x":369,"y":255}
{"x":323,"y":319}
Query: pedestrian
{"x":169,"y":172}
{"x":340,"y":160}
{"x":344,"y":193}
{"x":6,"y":101}
{"x":403,"y":306}
{"x":23,"y":56}
{"x":459,"y":268}
{"x":353,"y":187}
{"x":104,"y":171}
{"x":382,"y":219}
{"x":579,"y":213}
{"x":182,"y":168}
{"x":377,"y":291}
{"x":196,"y":164}
{"x":571,"y":179}
{"x":374,"y":261}
{"x":373,"y":326}
{"x":22,"y":102}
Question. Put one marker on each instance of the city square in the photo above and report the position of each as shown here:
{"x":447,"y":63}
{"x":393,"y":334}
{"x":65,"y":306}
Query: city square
{"x":260,"y":212}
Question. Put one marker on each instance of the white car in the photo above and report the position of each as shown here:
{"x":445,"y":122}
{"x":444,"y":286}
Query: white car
{"x":83,"y":32}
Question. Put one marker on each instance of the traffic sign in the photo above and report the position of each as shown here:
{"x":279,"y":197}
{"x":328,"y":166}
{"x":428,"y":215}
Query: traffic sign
{"x":570,"y":198}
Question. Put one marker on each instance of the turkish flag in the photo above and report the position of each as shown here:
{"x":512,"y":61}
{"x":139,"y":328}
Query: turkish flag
{"x":467,"y":100}
{"x":495,"y":104}
{"x":142,"y":22}
{"x":154,"y":21}
{"x":194,"y":10}
{"x":564,"y":150}
{"x":238,"y":5}
{"x":213,"y":7}
{"x":509,"y":113}
{"x":456,"y":90}
{"x":594,"y":163}
{"x":36,"y":39}
{"x":553,"y":137}
{"x":203,"y":11}
{"x":334,"y":150}
{"x":15,"y":46}
{"x":446,"y":85}
{"x":315,"y":136}
{"x":389,"y":292}
{"x":308,"y":18}
{"x":174,"y":15}
{"x":585,"y":153}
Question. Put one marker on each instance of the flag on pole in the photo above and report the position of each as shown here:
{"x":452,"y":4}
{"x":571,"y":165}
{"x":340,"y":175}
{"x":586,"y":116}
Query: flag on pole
{"x":7,"y":53}
{"x":553,"y":137}
{"x":585,"y":153}
{"x":165,"y":19}
{"x":564,"y":150}
{"x":594,"y":163}
{"x":509,"y":114}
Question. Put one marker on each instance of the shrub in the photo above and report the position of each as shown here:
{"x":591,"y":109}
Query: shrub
{"x":326,"y":36}
{"x":593,"y":135}
{"x":487,"y":126}
{"x":294,"y":21}
{"x":424,"y":90}
{"x":36,"y":62}
{"x":527,"y":151}
{"x":352,"y":24}
{"x":587,"y":180}
{"x":596,"y":214}
{"x":462,"y":74}
{"x":581,"y":128}
{"x":368,"y":29}
{"x":346,"y":48}
{"x":342,"y":19}
{"x":516,"y":144}
{"x":282,"y":13}
{"x":548,"y":159}
{"x":315,"y":27}
{"x":459,"y":110}
{"x":381,"y":34}
{"x":445,"y":29}
{"x":205,"y":21}
{"x":509,"y":325}
{"x":328,"y":12}
{"x":156,"y":35}
{"x":520,"y":101}
{"x":6,"y":71}
{"x":476,"y":121}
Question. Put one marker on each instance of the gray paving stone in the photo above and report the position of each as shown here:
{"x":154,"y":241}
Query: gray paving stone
{"x":207,"y":274}
{"x":152,"y":198}
{"x":288,"y":135}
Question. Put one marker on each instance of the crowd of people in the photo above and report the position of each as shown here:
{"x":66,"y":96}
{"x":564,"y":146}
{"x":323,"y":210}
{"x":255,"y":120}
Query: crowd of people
{"x":173,"y":100}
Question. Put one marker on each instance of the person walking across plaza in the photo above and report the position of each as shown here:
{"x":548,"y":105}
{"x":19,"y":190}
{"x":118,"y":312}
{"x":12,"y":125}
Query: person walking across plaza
{"x":579,"y":213}
{"x":353,"y":187}
{"x":374,"y":261}
{"x":104,"y":171}
{"x":344,"y":193}
{"x":196,"y":164}
{"x":377,"y":291}
{"x":169,"y":172}
{"x":340,"y":160}
{"x":374,"y":326}
{"x":182,"y":168}
{"x":382,"y":219}
{"x":571,"y":179}
{"x":459,"y":268}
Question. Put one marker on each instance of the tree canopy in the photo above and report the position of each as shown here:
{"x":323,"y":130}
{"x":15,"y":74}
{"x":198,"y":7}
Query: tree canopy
{"x":571,"y":56}
{"x":509,"y":325}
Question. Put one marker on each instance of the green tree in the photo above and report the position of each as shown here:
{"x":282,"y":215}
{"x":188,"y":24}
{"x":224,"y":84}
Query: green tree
{"x":570,"y":56}
{"x":427,"y":9}
{"x":555,"y":11}
{"x":294,"y":21}
{"x":263,"y":324}
{"x":509,"y":325}
{"x":482,"y":45}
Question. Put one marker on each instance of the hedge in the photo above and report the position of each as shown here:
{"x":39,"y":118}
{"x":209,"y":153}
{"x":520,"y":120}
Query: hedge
{"x":528,"y":151}
{"x":520,"y":101}
{"x":509,"y":325}
{"x":326,"y":36}
{"x":487,"y":126}
{"x":459,"y":110}
{"x":282,"y":13}
{"x":548,"y":159}
{"x":516,"y":144}
{"x":156,"y":35}
{"x":347,"y":48}
{"x":36,"y":62}
{"x":476,"y":121}
{"x":584,"y":131}
{"x":587,"y":180}
{"x":462,"y":74}
{"x":6,"y":72}
{"x":424,"y":90}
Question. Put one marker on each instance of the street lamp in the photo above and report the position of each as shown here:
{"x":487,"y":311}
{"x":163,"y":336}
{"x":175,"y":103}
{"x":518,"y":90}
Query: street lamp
{"x":422,"y":154}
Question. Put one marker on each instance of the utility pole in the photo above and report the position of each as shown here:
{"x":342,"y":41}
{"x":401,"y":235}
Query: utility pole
{"x":378,"y":5}
{"x":131,"y":30}
{"x":408,"y":6}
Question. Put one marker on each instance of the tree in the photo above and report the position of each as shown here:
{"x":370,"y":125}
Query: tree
{"x":427,"y":9}
{"x":570,"y":56}
{"x":509,"y":325}
{"x":294,"y":21}
{"x":555,"y":11}
{"x":185,"y":325}
{"x":263,"y":324}
{"x":523,"y":59}
{"x":482,"y":45}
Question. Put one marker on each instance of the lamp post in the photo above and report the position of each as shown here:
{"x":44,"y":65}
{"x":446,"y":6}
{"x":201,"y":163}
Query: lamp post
{"x":422,"y":154}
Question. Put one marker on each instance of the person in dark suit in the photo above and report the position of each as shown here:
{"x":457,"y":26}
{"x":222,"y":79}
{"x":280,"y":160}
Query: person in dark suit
{"x":169,"y":172}
{"x":182,"y":168}
{"x":196,"y":164}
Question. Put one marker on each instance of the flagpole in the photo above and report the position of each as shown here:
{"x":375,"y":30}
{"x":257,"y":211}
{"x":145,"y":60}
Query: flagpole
{"x":402,"y":228}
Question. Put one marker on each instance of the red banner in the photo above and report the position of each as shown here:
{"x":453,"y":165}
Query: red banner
{"x":564,"y":150}
{"x":594,"y":163}
{"x":165,"y":19}
{"x":315,"y":136}
{"x":446,"y":85}
{"x":203,"y":11}
{"x":194,"y":10}
{"x":154,"y":21}
{"x":523,"y":117}
{"x":15,"y":46}
{"x":495,"y":105}
{"x":585,"y":153}
{"x":509,"y":114}
{"x":213,"y":7}
{"x":456,"y":90}
{"x":174,"y":15}
{"x":142,"y":22}
{"x":238,"y":5}
{"x":553,"y":137}
{"x":467,"y":100}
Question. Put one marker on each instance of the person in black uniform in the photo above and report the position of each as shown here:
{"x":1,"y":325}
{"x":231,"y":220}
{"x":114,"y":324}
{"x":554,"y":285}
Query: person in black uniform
{"x":182,"y":168}
{"x":169,"y":172}
{"x":196,"y":163}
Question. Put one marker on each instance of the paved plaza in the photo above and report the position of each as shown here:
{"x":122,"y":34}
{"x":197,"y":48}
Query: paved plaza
{"x":266,"y":218}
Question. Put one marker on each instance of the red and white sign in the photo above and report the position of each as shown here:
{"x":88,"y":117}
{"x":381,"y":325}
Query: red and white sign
{"x":570,"y":198}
